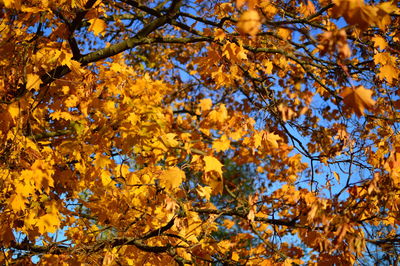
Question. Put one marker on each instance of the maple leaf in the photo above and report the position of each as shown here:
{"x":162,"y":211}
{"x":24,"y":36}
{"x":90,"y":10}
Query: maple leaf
{"x":379,"y":42}
{"x":212,"y":164}
{"x":221,"y":144}
{"x":388,"y":72}
{"x":355,"y":12}
{"x":48,"y":223}
{"x":204,"y":191}
{"x":97,"y":26}
{"x":205,"y":104}
{"x":272,"y":139}
{"x":169,"y":140}
{"x":33,"y":81}
{"x":358,"y":99}
{"x":172,"y":178}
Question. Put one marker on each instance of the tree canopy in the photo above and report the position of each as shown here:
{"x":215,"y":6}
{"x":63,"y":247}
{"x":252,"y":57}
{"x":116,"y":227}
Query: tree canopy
{"x":191,"y":132}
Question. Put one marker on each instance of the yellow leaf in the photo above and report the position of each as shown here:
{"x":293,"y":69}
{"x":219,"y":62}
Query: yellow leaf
{"x":389,"y":72}
{"x":272,"y":139}
{"x":219,"y":115}
{"x":219,"y":35}
{"x":16,"y":4}
{"x":222,"y":144}
{"x":102,"y":161}
{"x":48,"y":223}
{"x":379,"y":42}
{"x":235,"y":256}
{"x":204,"y":191}
{"x":384,"y":12}
{"x":358,"y":99}
{"x":355,"y":12}
{"x":13,"y":110}
{"x":212,"y":164}
{"x":169,"y":140}
{"x":268,"y":66}
{"x":228,"y":223}
{"x":337,"y":177}
{"x":97,"y":26}
{"x":17,"y":202}
{"x":172,"y":178}
{"x":205,"y":104}
{"x":105,"y":178}
{"x":33,"y":81}
{"x":249,"y":23}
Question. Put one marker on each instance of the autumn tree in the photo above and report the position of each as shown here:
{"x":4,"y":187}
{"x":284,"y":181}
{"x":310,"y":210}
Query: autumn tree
{"x":255,"y":132}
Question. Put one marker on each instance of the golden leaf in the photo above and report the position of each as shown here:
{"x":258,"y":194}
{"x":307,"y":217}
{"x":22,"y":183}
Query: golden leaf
{"x":358,"y":99}
{"x":379,"y":42}
{"x":205,"y":104}
{"x":355,"y":12}
{"x":235,"y":256}
{"x":272,"y":140}
{"x":48,"y":223}
{"x":240,"y":3}
{"x":204,"y":191}
{"x":389,"y":72}
{"x":172,"y":178}
{"x":307,"y":8}
{"x":14,"y":110}
{"x":169,"y":140}
{"x":221,"y":144}
{"x":33,"y":81}
{"x":17,"y":202}
{"x":212,"y":164}
{"x":249,"y":23}
{"x":97,"y":26}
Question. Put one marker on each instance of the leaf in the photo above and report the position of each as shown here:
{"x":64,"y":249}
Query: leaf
{"x":169,"y":140}
{"x":33,"y":81}
{"x":249,"y":23}
{"x":358,"y":99}
{"x":379,"y":42}
{"x":240,"y":3}
{"x":389,"y":72}
{"x":97,"y":26}
{"x":14,"y":110}
{"x":205,"y":104}
{"x":221,"y":144}
{"x":172,"y":178}
{"x":48,"y":223}
{"x":272,"y":140}
{"x":204,"y":192}
{"x":235,"y":256}
{"x":337,"y":177}
{"x":212,"y":164}
{"x":234,"y":52}
{"x":17,"y":202}
{"x":355,"y":12}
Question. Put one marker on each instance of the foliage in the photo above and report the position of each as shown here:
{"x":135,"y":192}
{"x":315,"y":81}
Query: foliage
{"x":157,"y":132}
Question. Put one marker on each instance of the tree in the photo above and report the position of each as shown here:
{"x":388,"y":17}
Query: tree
{"x":194,"y":132}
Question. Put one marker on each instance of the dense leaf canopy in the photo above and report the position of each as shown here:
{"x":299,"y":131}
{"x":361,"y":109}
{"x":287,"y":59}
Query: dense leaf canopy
{"x":255,"y":132}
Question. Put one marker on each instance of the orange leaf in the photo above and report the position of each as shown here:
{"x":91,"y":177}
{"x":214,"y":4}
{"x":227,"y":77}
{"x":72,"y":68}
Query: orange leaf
{"x":249,"y":23}
{"x":358,"y":99}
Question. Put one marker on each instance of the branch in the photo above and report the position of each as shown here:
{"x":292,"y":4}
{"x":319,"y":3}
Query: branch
{"x":241,"y":214}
